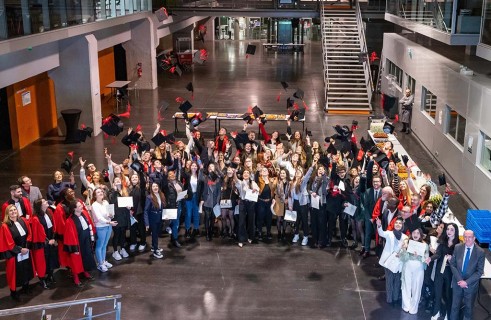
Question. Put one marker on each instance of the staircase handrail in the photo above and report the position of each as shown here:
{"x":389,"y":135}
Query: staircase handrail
{"x":324,"y":54}
{"x":87,"y":310}
{"x":364,"y":53}
{"x":440,"y":17}
{"x":402,"y":9}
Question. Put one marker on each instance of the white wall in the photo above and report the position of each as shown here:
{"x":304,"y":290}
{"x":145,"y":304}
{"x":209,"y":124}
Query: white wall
{"x":470,"y":96}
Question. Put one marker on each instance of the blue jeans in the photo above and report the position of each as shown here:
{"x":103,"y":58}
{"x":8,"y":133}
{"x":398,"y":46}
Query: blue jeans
{"x":175,"y":223}
{"x":103,"y":235}
{"x":155,"y":225}
{"x":192,"y":212}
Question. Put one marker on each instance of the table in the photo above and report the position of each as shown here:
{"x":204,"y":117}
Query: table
{"x":71,"y":118}
{"x":114,"y":89}
{"x":219,"y":117}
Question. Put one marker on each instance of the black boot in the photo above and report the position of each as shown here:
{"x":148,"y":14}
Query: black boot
{"x":51,"y":279}
{"x":14,"y":295}
{"x":187,"y":235}
{"x":403,"y":127}
{"x":25,"y":289}
{"x":43,"y":283}
{"x":176,"y":243}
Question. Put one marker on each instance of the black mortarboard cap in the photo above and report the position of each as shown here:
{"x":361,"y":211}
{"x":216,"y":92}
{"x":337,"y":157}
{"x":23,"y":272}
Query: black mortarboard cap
{"x":354,"y":122}
{"x":367,"y":144}
{"x":247,"y":118}
{"x":405,"y":159}
{"x":158,"y":139}
{"x":185,"y":106}
{"x":323,"y":160}
{"x":196,"y":121}
{"x":395,"y":157}
{"x":134,"y":136}
{"x":67,"y":165}
{"x":105,"y":175}
{"x":251,"y":49}
{"x":289,"y":103}
{"x":381,"y":158}
{"x":137,"y":166}
{"x":388,"y":127}
{"x":442,"y":180}
{"x":308,"y":133}
{"x":242,"y":138}
{"x":189,"y":87}
{"x":257,"y":112}
{"x":82,"y":135}
{"x":112,"y":125}
{"x":170,"y":139}
{"x":299,"y":94}
{"x":297,"y":115}
{"x":284,"y":85}
{"x":163,"y":105}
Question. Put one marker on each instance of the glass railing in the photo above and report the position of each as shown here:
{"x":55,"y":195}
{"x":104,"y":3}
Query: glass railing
{"x":25,"y":17}
{"x":438,"y":14}
{"x":244,"y":4}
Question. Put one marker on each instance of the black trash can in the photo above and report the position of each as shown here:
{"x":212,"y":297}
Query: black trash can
{"x":71,"y":118}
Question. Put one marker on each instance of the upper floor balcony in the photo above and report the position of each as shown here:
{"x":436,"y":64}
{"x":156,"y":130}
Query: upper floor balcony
{"x":454,"y":22}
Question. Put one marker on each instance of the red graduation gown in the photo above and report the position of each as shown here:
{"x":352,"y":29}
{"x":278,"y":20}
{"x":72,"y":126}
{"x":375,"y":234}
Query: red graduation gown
{"x":38,"y":240}
{"x":59,"y":218}
{"x":26,"y":205}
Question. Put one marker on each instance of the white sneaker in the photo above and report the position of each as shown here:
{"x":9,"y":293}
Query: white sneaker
{"x":168,"y":230}
{"x":123,"y":253}
{"x":305,"y":241}
{"x":132,"y":247}
{"x":117,"y":256}
{"x":436,"y":316}
{"x":295,"y":238}
{"x":141,"y":247}
{"x":108,"y":265}
{"x":446,"y":317}
{"x":160,"y":250}
{"x":102,"y":268}
{"x":158,"y":254}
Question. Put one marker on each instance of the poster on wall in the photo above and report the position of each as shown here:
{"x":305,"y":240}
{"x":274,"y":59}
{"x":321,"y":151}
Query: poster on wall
{"x":26,"y":98}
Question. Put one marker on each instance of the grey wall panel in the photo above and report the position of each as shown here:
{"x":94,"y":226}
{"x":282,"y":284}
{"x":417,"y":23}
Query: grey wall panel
{"x":469,"y":96}
{"x":21,"y":65}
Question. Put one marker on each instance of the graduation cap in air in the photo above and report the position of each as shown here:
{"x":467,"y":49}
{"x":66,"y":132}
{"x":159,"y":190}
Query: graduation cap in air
{"x":367,"y":145}
{"x":84,"y":133}
{"x":248,"y":117}
{"x":299,"y":94}
{"x":170,"y":139}
{"x":388,"y":127}
{"x":189,"y":87}
{"x":158,"y":139}
{"x":284,"y":85}
{"x":298,"y":115}
{"x":442,"y":180}
{"x":67,"y":165}
{"x":112,"y":125}
{"x":251,"y":49}
{"x":289,"y":103}
{"x":185,"y":106}
{"x":405,"y":159}
{"x":258,"y":113}
{"x":196,"y":120}
{"x":137,"y":166}
{"x":331,"y":149}
{"x":131,"y":138}
{"x":382,"y":160}
{"x":308,"y":132}
{"x":325,"y":161}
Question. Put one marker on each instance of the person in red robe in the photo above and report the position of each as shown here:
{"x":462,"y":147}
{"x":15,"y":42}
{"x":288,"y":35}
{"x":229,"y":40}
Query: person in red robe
{"x":78,"y":239}
{"x":20,"y":201}
{"x":44,"y":251}
{"x":16,"y":235}
{"x":59,"y":217}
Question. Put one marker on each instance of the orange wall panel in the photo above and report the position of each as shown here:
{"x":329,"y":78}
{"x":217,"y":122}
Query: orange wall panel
{"x":107,"y":71}
{"x":32,"y":119}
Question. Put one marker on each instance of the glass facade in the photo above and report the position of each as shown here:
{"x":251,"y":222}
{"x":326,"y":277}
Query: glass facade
{"x":27,"y":17}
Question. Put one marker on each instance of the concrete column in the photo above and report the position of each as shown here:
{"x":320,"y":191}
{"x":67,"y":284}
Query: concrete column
{"x":141,"y":48}
{"x":26,"y":16}
{"x":46,"y":21}
{"x":77,"y":80}
{"x":191,"y":35}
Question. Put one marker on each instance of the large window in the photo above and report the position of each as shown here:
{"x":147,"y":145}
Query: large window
{"x":455,"y":125}
{"x":486,"y":152}
{"x":429,"y":103}
{"x":410,"y":83}
{"x":394,"y":70}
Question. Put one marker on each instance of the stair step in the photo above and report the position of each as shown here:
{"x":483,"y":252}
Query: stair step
{"x":346,"y":81}
{"x":348,"y":103}
{"x":340,"y":60}
{"x":331,"y":88}
{"x":347,"y":57}
{"x":331,"y":93}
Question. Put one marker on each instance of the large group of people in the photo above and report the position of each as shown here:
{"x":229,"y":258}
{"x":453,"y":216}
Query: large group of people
{"x":237,"y":186}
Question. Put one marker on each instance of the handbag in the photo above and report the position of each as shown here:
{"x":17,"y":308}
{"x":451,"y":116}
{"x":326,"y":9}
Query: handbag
{"x":226,"y":203}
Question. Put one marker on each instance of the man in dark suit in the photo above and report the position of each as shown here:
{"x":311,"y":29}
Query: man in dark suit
{"x":467,"y":264}
{"x":369,"y":199}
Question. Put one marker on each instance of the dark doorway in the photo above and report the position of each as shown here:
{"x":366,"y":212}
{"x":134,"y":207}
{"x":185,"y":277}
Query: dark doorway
{"x":120,"y":63}
{"x":6,"y":140}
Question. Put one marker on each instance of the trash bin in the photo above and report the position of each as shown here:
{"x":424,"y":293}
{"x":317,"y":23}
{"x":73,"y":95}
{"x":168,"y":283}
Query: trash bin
{"x":71,"y":118}
{"x":390,"y":106}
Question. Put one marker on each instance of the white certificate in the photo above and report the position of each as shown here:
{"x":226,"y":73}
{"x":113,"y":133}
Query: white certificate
{"x":290,"y":215}
{"x":251,"y":196}
{"x":416,"y":246}
{"x":350,"y":209}
{"x":181,"y":195}
{"x":124,"y":202}
{"x":341,"y":186}
{"x":110,"y":210}
{"x":433,"y":242}
{"x":169,"y":214}
{"x":315,"y":201}
{"x":217,"y":210}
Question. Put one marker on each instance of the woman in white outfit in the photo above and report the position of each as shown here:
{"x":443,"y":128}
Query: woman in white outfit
{"x":413,"y":268}
{"x":389,"y":259}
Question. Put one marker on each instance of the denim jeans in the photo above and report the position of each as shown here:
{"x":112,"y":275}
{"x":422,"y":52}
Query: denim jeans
{"x":155,"y":225}
{"x":175,"y":223}
{"x":103,"y":235}
{"x":192,"y":212}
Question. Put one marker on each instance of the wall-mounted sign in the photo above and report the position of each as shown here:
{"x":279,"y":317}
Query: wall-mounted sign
{"x":26,"y":98}
{"x":470,"y":142}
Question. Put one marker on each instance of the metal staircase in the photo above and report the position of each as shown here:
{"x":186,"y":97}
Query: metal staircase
{"x":347,"y":77}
